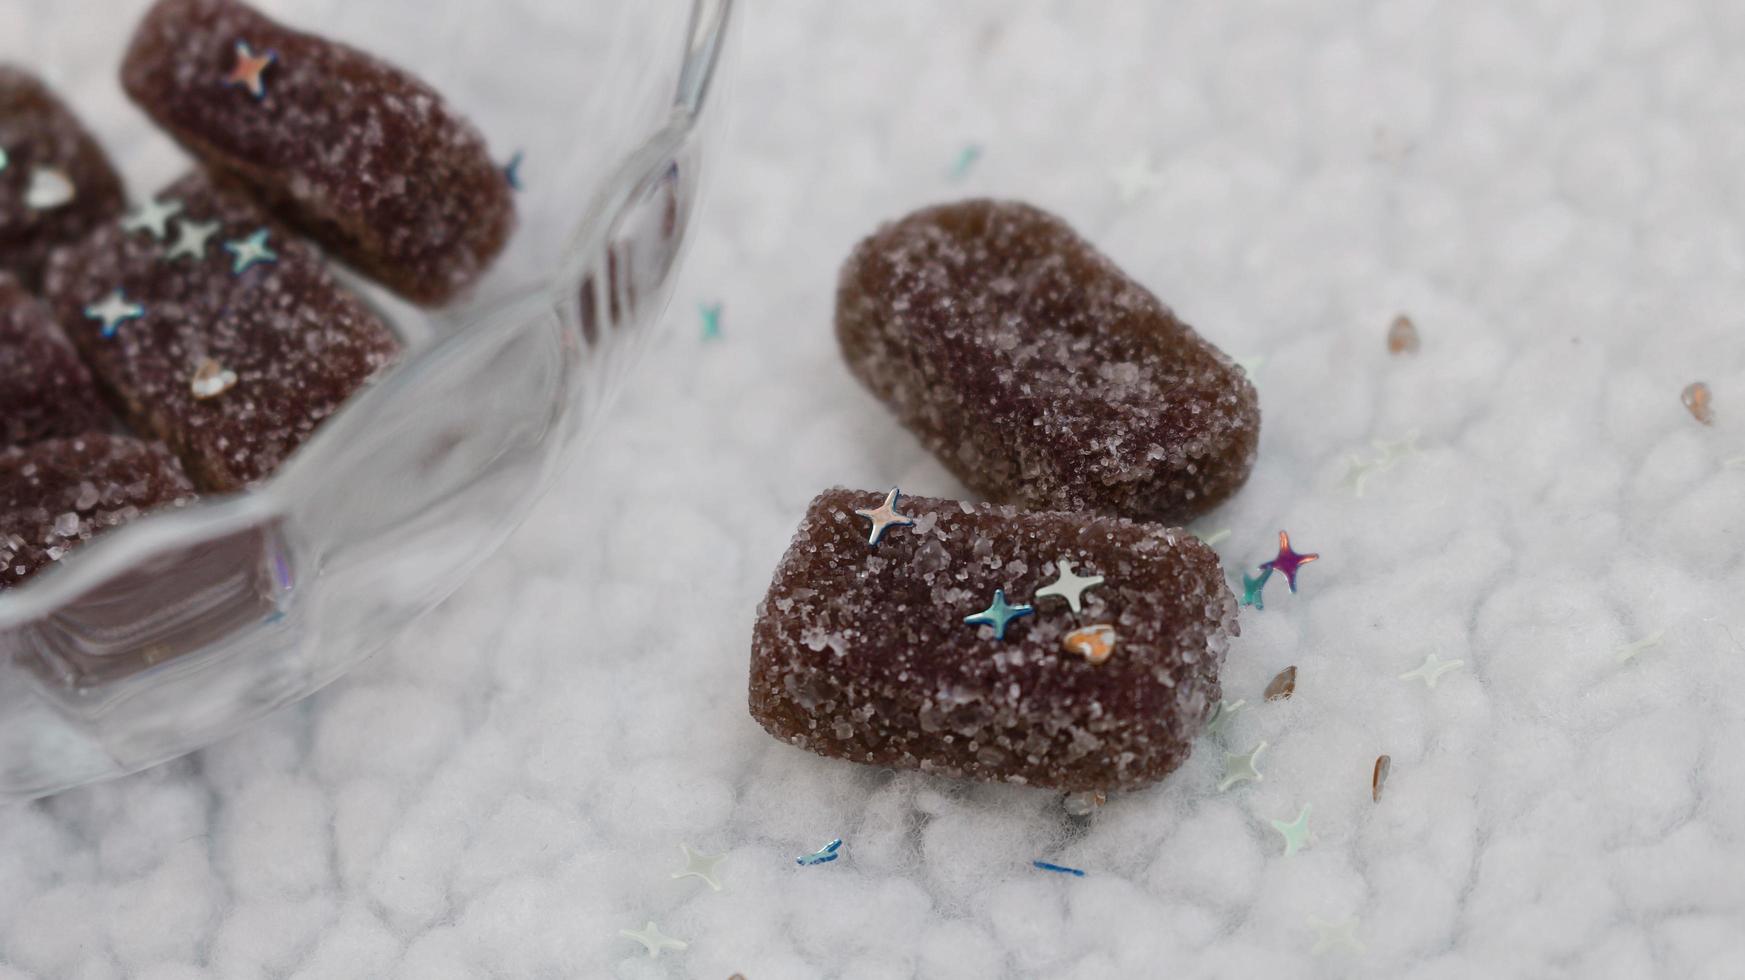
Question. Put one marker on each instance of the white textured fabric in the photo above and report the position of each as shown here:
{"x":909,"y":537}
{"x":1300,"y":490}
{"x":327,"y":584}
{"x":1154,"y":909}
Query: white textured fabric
{"x":1550,"y":189}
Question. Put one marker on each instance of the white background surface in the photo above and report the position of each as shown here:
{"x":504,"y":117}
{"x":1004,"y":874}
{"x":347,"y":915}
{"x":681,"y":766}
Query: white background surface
{"x":1551,"y":189}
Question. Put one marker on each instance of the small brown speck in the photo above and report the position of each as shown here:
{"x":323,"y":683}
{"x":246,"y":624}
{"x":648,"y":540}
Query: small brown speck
{"x":1382,"y":765}
{"x":1696,"y":398}
{"x":1403,"y":336}
{"x":1284,"y":685}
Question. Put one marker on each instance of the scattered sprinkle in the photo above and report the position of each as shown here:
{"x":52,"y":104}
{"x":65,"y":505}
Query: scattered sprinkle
{"x":1069,"y":586}
{"x":1219,"y":723}
{"x":1630,"y":650}
{"x":885,"y":516}
{"x":1359,"y":470}
{"x":50,"y":187}
{"x":1696,"y":399}
{"x":652,"y":939}
{"x":965,"y":160}
{"x":1402,"y":336}
{"x":249,"y":68}
{"x":1215,"y":538}
{"x":1241,"y":768}
{"x":1431,"y":670}
{"x":191,"y":239}
{"x":1095,"y":643}
{"x":699,"y":865}
{"x":114,"y":310}
{"x":1288,"y":561}
{"x":998,"y":614}
{"x":211,"y":379}
{"x":1254,"y":589}
{"x":1059,"y":868}
{"x":152,"y":217}
{"x":512,"y":171}
{"x":1295,"y":832}
{"x":1136,"y":178}
{"x":249,"y":252}
{"x":823,"y":855}
{"x":1282,"y":686}
{"x":711,"y":320}
{"x":1329,"y":935}
{"x":1383,"y":764}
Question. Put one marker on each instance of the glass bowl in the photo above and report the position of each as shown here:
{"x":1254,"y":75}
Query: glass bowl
{"x":172,"y":631}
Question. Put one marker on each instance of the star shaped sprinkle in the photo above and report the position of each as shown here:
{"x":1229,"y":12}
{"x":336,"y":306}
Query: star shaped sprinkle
{"x":1629,"y":650}
{"x":1393,"y":452}
{"x":249,"y":69}
{"x":249,"y":252}
{"x":1219,"y":723}
{"x":998,"y":614}
{"x":1431,"y":670}
{"x":191,"y":239}
{"x":210,"y":380}
{"x":1254,"y":589}
{"x":512,"y":172}
{"x":1069,"y":586}
{"x":1095,"y":643}
{"x":699,"y":865}
{"x":823,"y":855}
{"x":1057,"y":868}
{"x":50,"y":187}
{"x":114,"y":310}
{"x":965,"y":160}
{"x":1240,"y":768}
{"x":1288,"y":561}
{"x":1357,"y":472}
{"x":885,"y":516}
{"x":1136,"y":178}
{"x":153,"y":217}
{"x":1213,"y":539}
{"x":1295,"y":832}
{"x":712,"y":325}
{"x":1331,"y":935}
{"x":653,"y":940}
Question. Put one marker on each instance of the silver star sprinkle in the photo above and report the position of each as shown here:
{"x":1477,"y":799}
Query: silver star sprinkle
{"x":1241,"y":768}
{"x":699,"y":865}
{"x":885,"y":516}
{"x":249,"y":252}
{"x":191,"y":238}
{"x":1431,"y":670}
{"x":653,"y":940}
{"x":1069,"y":586}
{"x":211,"y":379}
{"x":153,"y":217}
{"x":49,"y":188}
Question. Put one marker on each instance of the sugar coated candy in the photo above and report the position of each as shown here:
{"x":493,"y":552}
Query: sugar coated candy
{"x":910,"y":653}
{"x":57,"y":494}
{"x":359,"y":155}
{"x":228,"y":338}
{"x":45,"y":390}
{"x":1037,"y":371}
{"x":55,"y":181}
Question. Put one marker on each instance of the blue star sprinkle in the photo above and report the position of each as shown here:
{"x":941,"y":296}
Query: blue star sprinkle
{"x":965,"y":160}
{"x":711,"y":320}
{"x":999,"y":614}
{"x":823,"y":855}
{"x":114,"y":310}
{"x":512,"y":172}
{"x":1058,"y":868}
{"x":1253,"y":593}
{"x":249,"y":252}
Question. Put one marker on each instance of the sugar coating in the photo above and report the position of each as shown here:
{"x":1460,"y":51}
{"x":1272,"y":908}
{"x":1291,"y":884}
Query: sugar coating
{"x":359,"y":155}
{"x":45,"y":390}
{"x":1037,"y":371}
{"x":38,"y":131}
{"x":861,"y":653}
{"x":57,"y":494}
{"x":298,"y":343}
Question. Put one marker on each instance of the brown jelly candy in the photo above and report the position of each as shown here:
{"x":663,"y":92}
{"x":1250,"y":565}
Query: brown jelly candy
{"x":915,"y":652}
{"x":45,"y":390}
{"x":55,"y":181}
{"x":357,"y":154}
{"x":226,"y":337}
{"x":58,"y":494}
{"x":1037,"y":371}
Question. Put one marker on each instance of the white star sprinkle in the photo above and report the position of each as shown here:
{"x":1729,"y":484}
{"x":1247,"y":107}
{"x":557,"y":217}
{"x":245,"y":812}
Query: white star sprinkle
{"x":191,"y":239}
{"x":249,"y":252}
{"x":114,"y":310}
{"x":1136,"y":178}
{"x":153,"y":217}
{"x":651,"y":938}
{"x":885,"y":516}
{"x":1330,"y":935}
{"x":1241,"y":768}
{"x":1219,"y":723}
{"x":1629,"y":650}
{"x":1431,"y":670}
{"x":698,"y":865}
{"x":1069,"y":586}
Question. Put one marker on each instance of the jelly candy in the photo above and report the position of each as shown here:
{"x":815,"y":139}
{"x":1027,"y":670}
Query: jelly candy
{"x":55,"y":181}
{"x":45,"y":390}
